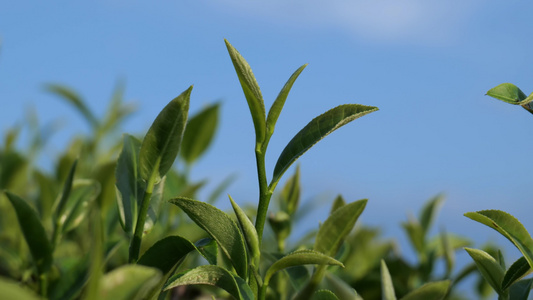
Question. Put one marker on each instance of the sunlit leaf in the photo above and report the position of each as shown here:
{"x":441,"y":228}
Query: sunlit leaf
{"x":199,"y":133}
{"x":316,"y":130}
{"x":509,"y":93}
{"x":387,"y":289}
{"x":516,"y":271}
{"x":162,"y":141}
{"x":129,"y":282}
{"x":248,"y":228}
{"x":489,"y":268}
{"x":430,"y":291}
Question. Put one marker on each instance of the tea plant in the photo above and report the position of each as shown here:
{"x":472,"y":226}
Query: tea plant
{"x":507,"y":282}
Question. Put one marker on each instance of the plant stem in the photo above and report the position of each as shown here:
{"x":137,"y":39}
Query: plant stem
{"x":264,"y":192}
{"x":135,"y":245}
{"x":313,"y":283}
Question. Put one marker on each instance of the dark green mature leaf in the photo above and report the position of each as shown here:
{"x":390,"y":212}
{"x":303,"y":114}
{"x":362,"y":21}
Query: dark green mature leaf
{"x":489,"y":268}
{"x":298,"y":258}
{"x":251,"y":92}
{"x":129,"y":282}
{"x":387,"y":289}
{"x":13,"y":290}
{"x":316,"y":130}
{"x":162,"y":141}
{"x":127,"y":184}
{"x":430,"y":291}
{"x":74,"y":99}
{"x":337,"y":226}
{"x":34,"y":233}
{"x":215,"y":276}
{"x":199,"y":133}
{"x":220,"y":227}
{"x":209,"y":249}
{"x":509,"y":93}
{"x":324,"y":295}
{"x":248,"y":228}
{"x":508,"y":226}
{"x":277,"y":106}
{"x":521,"y":289}
{"x":516,"y":271}
{"x":166,"y":253}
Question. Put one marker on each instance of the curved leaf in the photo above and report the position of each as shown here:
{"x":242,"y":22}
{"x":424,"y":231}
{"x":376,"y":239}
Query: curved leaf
{"x":199,"y":133}
{"x":162,"y":141}
{"x":129,"y":282}
{"x":488,"y":267}
{"x":67,"y":187}
{"x":430,"y":291}
{"x":298,"y":258}
{"x":166,"y":253}
{"x":427,"y":215}
{"x":507,"y":92}
{"x":249,"y":231}
{"x":74,"y":99}
{"x":34,"y":233}
{"x":251,"y":92}
{"x":337,"y":226}
{"x":83,"y":193}
{"x":520,"y":290}
{"x":387,"y":289}
{"x":517,"y":270}
{"x":290,"y":194}
{"x":316,"y":130}
{"x":215,"y":276}
{"x":277,"y":106}
{"x":220,"y":227}
{"x":508,"y":226}
{"x":324,"y":295}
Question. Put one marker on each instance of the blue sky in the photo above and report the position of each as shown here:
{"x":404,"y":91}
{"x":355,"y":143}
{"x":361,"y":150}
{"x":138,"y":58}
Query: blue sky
{"x":425,"y":64}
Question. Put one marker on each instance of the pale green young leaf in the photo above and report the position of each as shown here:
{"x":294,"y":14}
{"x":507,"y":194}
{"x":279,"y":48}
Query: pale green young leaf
{"x":298,"y":258}
{"x":277,"y":106}
{"x":416,"y":235}
{"x":428,"y":213}
{"x":251,"y":92}
{"x":508,"y":92}
{"x":162,"y":141}
{"x":129,"y":282}
{"x":337,"y":203}
{"x":337,"y":226}
{"x":34,"y":233}
{"x":166,"y":253}
{"x":430,"y":291}
{"x":73,"y":98}
{"x":516,"y":271}
{"x":215,"y":276}
{"x":199,"y":133}
{"x":15,"y":291}
{"x":290,"y":194}
{"x":489,"y":268}
{"x":508,"y":226}
{"x":387,"y":289}
{"x":521,"y":289}
{"x":220,"y":227}
{"x":324,"y":295}
{"x":341,"y":289}
{"x":127,"y":182}
{"x":315,"y":131}
{"x":248,"y":228}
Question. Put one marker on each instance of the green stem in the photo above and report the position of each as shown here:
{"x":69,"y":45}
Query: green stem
{"x":264,"y":192}
{"x":135,"y":245}
{"x":43,"y":282}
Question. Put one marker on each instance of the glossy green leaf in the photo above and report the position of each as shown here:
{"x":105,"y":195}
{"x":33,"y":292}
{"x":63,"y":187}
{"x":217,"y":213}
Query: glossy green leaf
{"x":34,"y":233}
{"x":251,"y":92}
{"x":521,"y":289}
{"x":199,"y":133}
{"x":298,"y":258}
{"x":509,"y":93}
{"x":290,"y":194}
{"x":316,"y":130}
{"x":508,"y":226}
{"x":248,"y":228}
{"x":74,"y":99}
{"x":430,"y":291}
{"x":489,"y":268}
{"x":337,"y":203}
{"x":12,"y":290}
{"x":516,"y":271}
{"x":277,"y":106}
{"x":428,"y":213}
{"x":162,"y":141}
{"x":127,"y":182}
{"x":337,"y":226}
{"x":215,"y":276}
{"x":324,"y":295}
{"x":129,"y":282}
{"x":166,"y":253}
{"x":387,"y":289}
{"x":59,"y":211}
{"x":220,"y":227}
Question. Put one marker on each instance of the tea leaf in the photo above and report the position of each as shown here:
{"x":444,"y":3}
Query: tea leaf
{"x":215,"y":276}
{"x":13,"y":290}
{"x":489,"y":268}
{"x":199,"y":133}
{"x":290,"y":194}
{"x":74,"y":99}
{"x":316,"y":130}
{"x":34,"y":233}
{"x":337,"y":203}
{"x":508,"y":226}
{"x":387,"y":289}
{"x":427,"y":215}
{"x":509,"y":93}
{"x":60,"y":208}
{"x":162,"y":141}
{"x":517,"y":270}
{"x":249,"y":231}
{"x":324,"y":295}
{"x":337,"y":226}
{"x":166,"y":253}
{"x":521,"y":289}
{"x":209,"y":249}
{"x":129,"y":282}
{"x":251,"y":92}
{"x":220,"y":227}
{"x":341,"y":289}
{"x":430,"y":291}
{"x":277,"y":106}
{"x":297,"y":258}
{"x":83,"y":193}
{"x":127,"y":185}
